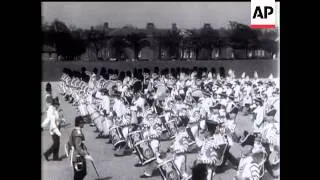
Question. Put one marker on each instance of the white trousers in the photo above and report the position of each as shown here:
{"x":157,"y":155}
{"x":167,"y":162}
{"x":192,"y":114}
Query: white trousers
{"x":107,"y":123}
{"x":202,"y":124}
{"x":83,"y":110}
{"x":98,"y":122}
{"x":125,"y":131}
{"x":194,"y":130}
{"x":210,"y":174}
{"x":154,"y":143}
{"x":179,"y":160}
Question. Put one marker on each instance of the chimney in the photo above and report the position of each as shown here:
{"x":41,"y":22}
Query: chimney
{"x":174,"y":27}
{"x":150,"y":26}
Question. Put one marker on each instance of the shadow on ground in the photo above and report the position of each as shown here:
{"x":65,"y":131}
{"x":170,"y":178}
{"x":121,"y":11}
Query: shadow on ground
{"x":104,"y":178}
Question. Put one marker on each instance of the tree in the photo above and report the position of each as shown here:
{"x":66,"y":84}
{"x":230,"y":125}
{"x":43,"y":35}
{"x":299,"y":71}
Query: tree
{"x":173,"y":40}
{"x":208,"y":38}
{"x":60,"y":36}
{"x":137,"y":40}
{"x":72,"y":28}
{"x":119,"y":43}
{"x":60,"y":26}
{"x":243,"y":37}
{"x":267,"y":41}
{"x":45,"y":26}
{"x":97,"y":40}
{"x":128,"y":36}
{"x":224,"y":38}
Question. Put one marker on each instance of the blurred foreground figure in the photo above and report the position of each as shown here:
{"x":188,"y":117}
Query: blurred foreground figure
{"x":78,"y":150}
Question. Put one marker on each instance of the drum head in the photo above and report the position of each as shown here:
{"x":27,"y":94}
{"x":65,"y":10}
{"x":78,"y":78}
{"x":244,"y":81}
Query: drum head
{"x":145,"y":152}
{"x":135,"y":137}
{"x":148,"y":153}
{"x":169,"y":171}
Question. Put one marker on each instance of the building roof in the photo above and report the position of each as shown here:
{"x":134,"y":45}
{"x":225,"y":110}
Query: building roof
{"x":128,"y":30}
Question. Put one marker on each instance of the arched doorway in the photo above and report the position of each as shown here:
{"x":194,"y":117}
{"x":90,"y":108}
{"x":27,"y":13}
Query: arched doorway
{"x":146,"y":52}
{"x":222,"y":72}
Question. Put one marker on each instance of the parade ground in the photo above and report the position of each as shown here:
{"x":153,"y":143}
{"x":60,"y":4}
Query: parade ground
{"x":109,"y":166}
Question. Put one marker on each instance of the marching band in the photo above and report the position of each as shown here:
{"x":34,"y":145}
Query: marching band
{"x":197,"y":112}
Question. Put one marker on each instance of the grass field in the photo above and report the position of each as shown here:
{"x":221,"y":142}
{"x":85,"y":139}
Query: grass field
{"x":109,"y":166}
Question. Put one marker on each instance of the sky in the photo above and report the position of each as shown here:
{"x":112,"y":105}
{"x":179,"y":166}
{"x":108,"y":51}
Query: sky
{"x":162,"y":14}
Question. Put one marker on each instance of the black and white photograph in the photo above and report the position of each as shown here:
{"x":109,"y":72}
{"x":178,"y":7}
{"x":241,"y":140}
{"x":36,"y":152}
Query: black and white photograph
{"x":159,"y":91}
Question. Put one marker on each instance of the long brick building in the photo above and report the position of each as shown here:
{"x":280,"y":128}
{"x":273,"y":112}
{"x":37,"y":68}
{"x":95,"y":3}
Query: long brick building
{"x":154,"y":50}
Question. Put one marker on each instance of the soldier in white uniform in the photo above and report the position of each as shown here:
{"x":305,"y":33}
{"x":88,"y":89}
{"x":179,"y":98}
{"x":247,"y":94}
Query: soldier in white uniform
{"x":208,"y":154}
{"x":125,"y":123}
{"x":118,"y":107}
{"x":180,"y":148}
{"x":153,"y":134}
{"x":53,"y":120}
{"x":212,"y":121}
{"x":105,"y":105}
{"x":48,"y":96}
{"x":258,"y":114}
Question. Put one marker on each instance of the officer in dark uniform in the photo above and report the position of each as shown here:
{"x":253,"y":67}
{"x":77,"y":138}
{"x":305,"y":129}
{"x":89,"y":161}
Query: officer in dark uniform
{"x":79,"y":154}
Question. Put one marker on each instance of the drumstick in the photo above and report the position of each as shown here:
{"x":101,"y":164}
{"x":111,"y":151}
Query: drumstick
{"x":185,"y":164}
{"x":85,"y":147}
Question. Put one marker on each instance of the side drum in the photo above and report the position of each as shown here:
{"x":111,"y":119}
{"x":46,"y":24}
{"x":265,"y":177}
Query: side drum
{"x":171,"y":127}
{"x":135,"y":137}
{"x":169,"y":170}
{"x":145,"y":152}
{"x":116,"y":135}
